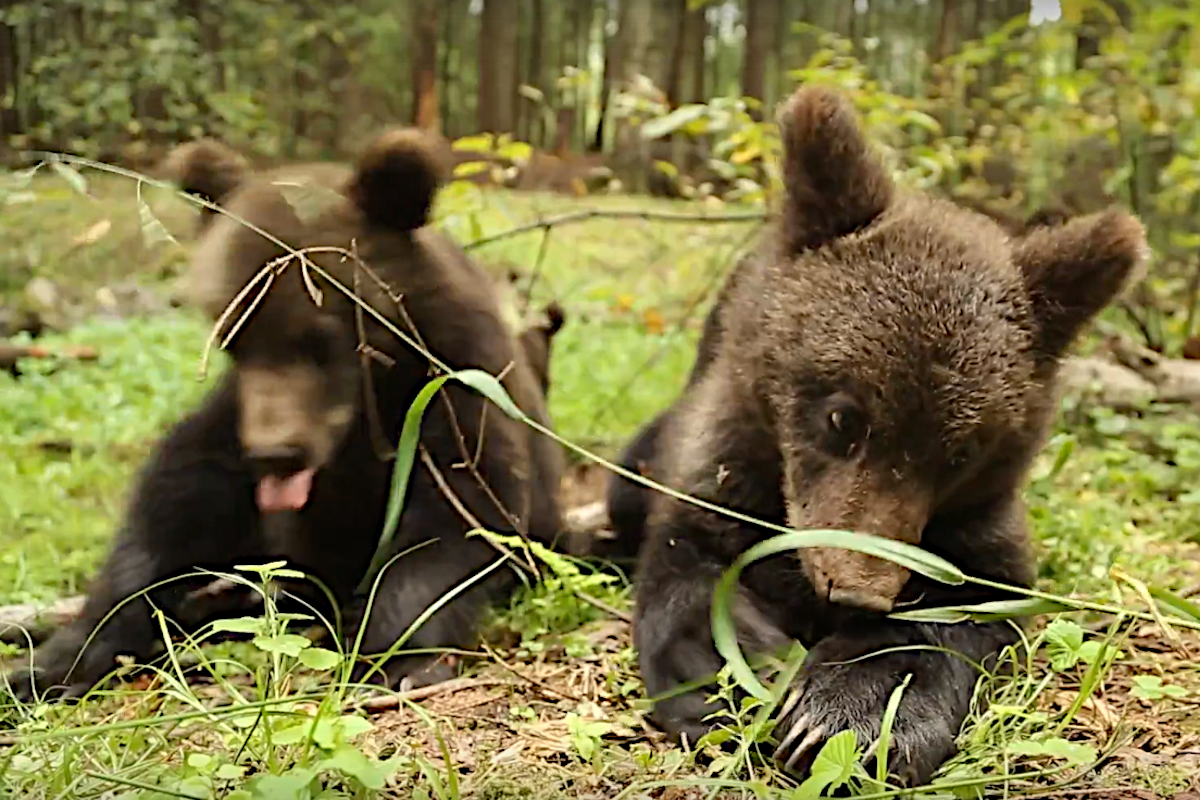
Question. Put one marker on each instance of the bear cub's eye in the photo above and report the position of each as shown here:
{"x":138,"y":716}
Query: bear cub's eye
{"x":845,"y":425}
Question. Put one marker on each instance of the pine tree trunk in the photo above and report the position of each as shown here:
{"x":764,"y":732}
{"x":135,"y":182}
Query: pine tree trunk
{"x":497,"y":66}
{"x":761,"y":19}
{"x":426,"y":113}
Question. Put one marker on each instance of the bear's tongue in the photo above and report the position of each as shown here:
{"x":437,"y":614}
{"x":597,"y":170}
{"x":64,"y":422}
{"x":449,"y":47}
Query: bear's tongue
{"x":284,"y":494}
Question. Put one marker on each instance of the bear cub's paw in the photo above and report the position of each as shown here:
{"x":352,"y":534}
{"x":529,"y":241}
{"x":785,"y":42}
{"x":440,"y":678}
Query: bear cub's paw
{"x":829,"y":697}
{"x":31,"y":684}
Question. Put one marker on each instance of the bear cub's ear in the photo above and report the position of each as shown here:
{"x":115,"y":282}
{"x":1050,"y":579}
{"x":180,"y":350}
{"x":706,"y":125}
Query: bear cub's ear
{"x":833,"y":181}
{"x":206,"y":168}
{"x":1074,"y":270}
{"x":397,"y":177}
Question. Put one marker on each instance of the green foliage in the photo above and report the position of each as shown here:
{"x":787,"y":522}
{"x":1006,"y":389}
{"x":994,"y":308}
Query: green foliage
{"x":139,"y":71}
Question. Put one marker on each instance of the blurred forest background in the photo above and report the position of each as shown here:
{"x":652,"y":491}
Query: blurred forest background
{"x":1005,"y":104}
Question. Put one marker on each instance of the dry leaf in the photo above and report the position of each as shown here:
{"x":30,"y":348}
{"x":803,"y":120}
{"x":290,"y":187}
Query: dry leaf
{"x":93,"y":234}
{"x":654,"y":322}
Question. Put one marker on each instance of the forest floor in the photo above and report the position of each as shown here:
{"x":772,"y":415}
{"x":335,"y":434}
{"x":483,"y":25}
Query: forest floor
{"x":551,"y":706}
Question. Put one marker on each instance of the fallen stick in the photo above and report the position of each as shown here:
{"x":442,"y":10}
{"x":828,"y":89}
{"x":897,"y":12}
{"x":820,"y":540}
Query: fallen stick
{"x":10,"y":354}
{"x":393,"y":700}
{"x":32,"y":623}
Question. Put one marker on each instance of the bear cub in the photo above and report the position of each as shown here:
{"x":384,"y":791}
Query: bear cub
{"x":883,"y":362}
{"x":290,"y":455}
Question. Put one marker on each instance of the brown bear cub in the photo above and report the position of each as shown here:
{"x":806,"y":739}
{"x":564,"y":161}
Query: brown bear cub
{"x":289,"y":457}
{"x":884,"y":362}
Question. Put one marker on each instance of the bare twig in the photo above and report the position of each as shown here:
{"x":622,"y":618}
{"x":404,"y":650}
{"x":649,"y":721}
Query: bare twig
{"x":537,"y":270}
{"x":387,"y":702}
{"x":600,"y":213}
{"x":541,"y":685}
{"x":612,"y":611}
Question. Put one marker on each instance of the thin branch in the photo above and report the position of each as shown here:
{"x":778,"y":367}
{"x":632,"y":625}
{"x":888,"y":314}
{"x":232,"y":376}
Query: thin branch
{"x":612,"y":611}
{"x":543,"y":686}
{"x":543,"y":248}
{"x":600,"y":213}
{"x":387,"y":702}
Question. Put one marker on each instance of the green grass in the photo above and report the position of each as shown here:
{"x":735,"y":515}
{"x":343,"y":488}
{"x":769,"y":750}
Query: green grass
{"x":555,"y":706}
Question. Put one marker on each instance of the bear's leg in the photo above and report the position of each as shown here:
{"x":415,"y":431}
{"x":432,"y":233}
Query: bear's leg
{"x":628,"y":502}
{"x":673,"y":627}
{"x":191,"y":508}
{"x":439,"y":560}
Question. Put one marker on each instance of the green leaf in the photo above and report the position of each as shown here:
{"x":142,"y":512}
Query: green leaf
{"x":229,"y":772}
{"x":71,"y":175}
{"x":1054,"y":747}
{"x":1064,"y":644}
{"x":201,"y":762}
{"x":490,"y":387}
{"x":349,"y":761}
{"x":469,"y":168}
{"x":261,"y":569}
{"x":667,"y":168}
{"x":405,"y":454}
{"x":669,"y":123}
{"x":152,"y":229}
{"x":480,"y":143}
{"x":992,"y":611}
{"x":410,"y":434}
{"x":292,"y":734}
{"x":885,"y":730}
{"x":240,"y":625}
{"x":288,"y":644}
{"x":723,"y":628}
{"x":1176,"y":604}
{"x":320,"y":659}
{"x":832,"y":767}
{"x":348,"y":727}
{"x":1151,"y":687}
{"x":517,"y":152}
{"x":293,"y":784}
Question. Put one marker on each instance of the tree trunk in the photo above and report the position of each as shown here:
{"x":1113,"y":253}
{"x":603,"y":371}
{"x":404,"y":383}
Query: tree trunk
{"x":660,"y":45}
{"x":611,"y":68}
{"x":636,"y":19}
{"x":946,"y":43}
{"x":9,"y":81}
{"x":584,"y":17}
{"x":676,"y":11}
{"x":536,"y":78}
{"x":445,"y":51}
{"x":519,"y":128}
{"x":695,"y":32}
{"x":497,"y":65}
{"x":760,"y":20}
{"x":426,"y":113}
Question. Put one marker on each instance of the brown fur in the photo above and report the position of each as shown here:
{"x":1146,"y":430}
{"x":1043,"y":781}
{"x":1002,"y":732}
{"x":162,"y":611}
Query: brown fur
{"x":536,"y":339}
{"x":306,"y":397}
{"x":205,"y":168}
{"x":885,"y":362}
